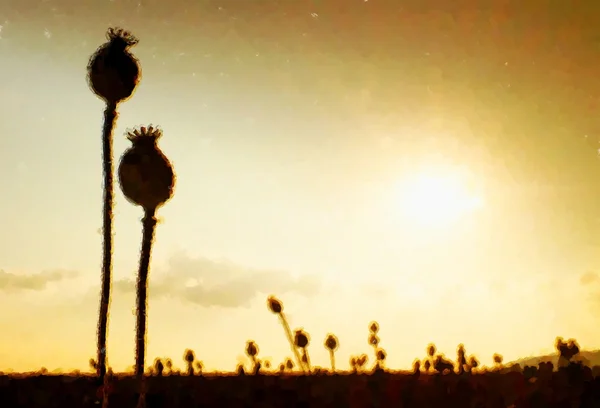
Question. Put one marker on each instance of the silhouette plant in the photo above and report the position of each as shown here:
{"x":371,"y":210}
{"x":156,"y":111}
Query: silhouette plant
{"x":158,"y":367}
{"x":473,"y":363}
{"x":331,"y":344}
{"x":431,"y":349}
{"x":374,"y":342}
{"x":361,"y":362}
{"x":497,"y":358}
{"x":380,"y":356}
{"x":461,"y":359}
{"x":289,"y":364}
{"x":301,"y":341}
{"x":441,"y":364}
{"x":169,"y":366}
{"x":276,"y":307}
{"x":113,"y":74}
{"x":199,"y":367}
{"x":190,"y":357}
{"x":147,"y":179}
{"x":252,"y":352}
{"x":566,"y":351}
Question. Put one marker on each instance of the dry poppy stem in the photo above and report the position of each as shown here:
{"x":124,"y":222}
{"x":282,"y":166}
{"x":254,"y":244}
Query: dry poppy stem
{"x":288,"y":332}
{"x":149,"y":226}
{"x":110,"y":118}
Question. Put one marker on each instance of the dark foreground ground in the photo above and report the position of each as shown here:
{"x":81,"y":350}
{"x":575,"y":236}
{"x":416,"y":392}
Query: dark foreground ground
{"x":573,"y":386}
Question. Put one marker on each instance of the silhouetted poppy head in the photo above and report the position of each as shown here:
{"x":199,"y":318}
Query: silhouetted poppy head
{"x":146,"y":176}
{"x":331,"y":342}
{"x":374,"y":327}
{"x":381,"y":354}
{"x":373,"y":340}
{"x":189,"y":356}
{"x":289,"y":364}
{"x":274,"y":305}
{"x":113,"y":72}
{"x":158,"y":364}
{"x":251,"y":349}
{"x":427,"y":365}
{"x":431,"y":350}
{"x":301,"y":338}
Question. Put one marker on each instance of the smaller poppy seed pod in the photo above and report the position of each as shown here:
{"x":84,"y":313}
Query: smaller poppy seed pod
{"x":301,"y":339}
{"x":189,"y":356}
{"x":381,"y":354}
{"x":275,"y":305}
{"x":373,"y":339}
{"x":289,"y":364}
{"x":331,"y":342}
{"x":113,"y":72}
{"x":145,"y":174}
{"x":251,"y":349}
{"x":374,"y":327}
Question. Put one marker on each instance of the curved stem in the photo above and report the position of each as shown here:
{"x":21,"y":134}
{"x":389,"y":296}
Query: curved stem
{"x":288,"y":332}
{"x":110,"y":118}
{"x":149,"y":225}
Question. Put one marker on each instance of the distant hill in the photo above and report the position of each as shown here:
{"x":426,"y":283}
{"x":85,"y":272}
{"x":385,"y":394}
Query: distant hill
{"x":589,"y":358}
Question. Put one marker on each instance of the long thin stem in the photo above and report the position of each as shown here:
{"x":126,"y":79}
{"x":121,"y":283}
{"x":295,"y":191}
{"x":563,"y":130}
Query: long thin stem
{"x":288,"y":332}
{"x":149,"y":225}
{"x":110,"y":118}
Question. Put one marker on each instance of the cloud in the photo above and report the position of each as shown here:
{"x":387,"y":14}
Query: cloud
{"x":205,"y":282}
{"x":588,"y":278}
{"x":10,"y":282}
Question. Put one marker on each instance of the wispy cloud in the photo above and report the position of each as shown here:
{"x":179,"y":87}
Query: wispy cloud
{"x":11,"y":282}
{"x":205,"y":282}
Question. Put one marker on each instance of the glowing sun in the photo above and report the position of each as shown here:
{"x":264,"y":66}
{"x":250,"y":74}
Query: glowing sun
{"x":434,"y":200}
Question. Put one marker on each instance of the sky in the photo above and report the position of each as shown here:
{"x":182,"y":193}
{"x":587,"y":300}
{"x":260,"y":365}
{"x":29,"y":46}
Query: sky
{"x":428,"y":165}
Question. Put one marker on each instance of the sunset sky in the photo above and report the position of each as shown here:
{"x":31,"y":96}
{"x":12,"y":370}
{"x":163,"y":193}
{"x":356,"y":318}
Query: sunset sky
{"x":431,"y":165}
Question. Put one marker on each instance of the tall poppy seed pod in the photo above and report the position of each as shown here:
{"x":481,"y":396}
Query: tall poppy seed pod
{"x":113,"y":72}
{"x":147,"y":179}
{"x":276,"y":307}
{"x":374,"y":327}
{"x":301,"y":340}
{"x":145,"y":174}
{"x":331,"y":344}
{"x":189,"y":357}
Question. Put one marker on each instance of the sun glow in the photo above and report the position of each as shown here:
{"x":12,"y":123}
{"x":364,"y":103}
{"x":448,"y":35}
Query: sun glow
{"x":436,"y":199}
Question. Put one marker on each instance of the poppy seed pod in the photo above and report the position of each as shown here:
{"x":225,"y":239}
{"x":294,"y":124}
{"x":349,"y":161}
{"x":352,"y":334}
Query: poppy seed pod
{"x":251,"y":349}
{"x":145,"y":174}
{"x":275,"y":305}
{"x":301,"y":339}
{"x":113,"y":72}
{"x":331,"y":342}
{"x":374,"y":327}
{"x":189,"y":356}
